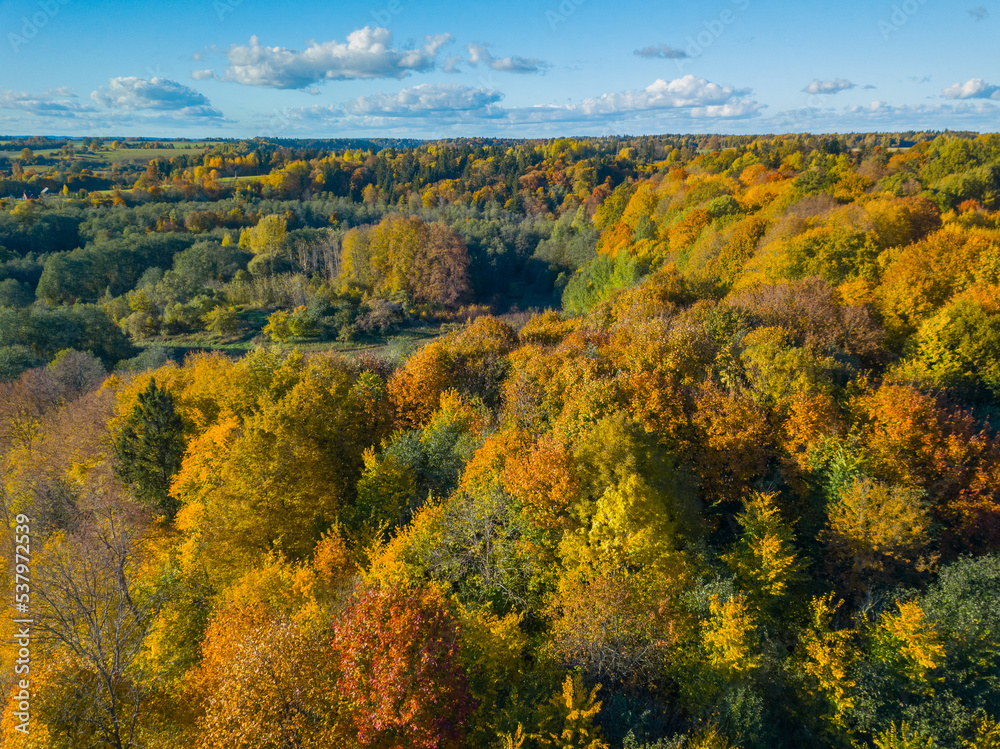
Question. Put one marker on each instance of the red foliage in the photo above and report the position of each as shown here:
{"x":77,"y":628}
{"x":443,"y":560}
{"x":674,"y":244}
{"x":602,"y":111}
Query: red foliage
{"x":396,"y":651}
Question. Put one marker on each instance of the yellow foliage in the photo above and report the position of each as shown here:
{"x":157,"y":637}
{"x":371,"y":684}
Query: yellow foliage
{"x":902,"y":738}
{"x":987,"y":735}
{"x":264,"y":682}
{"x":397,"y":563}
{"x":631,"y":526}
{"x":827,"y":656}
{"x":909,"y":635}
{"x":872,"y":521}
{"x":268,"y":236}
{"x":730,"y":634}
{"x":491,"y":655}
{"x":765,"y":557}
{"x":709,"y":738}
{"x":567,"y":721}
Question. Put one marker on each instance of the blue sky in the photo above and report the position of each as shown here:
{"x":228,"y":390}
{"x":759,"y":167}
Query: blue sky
{"x":417,"y":68}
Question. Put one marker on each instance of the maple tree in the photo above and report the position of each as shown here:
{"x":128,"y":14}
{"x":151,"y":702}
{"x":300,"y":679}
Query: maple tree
{"x":396,"y":654}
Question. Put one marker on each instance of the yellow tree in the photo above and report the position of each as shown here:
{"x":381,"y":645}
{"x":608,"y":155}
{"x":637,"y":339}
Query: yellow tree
{"x":264,"y":684}
{"x":765,"y":560}
{"x":874,"y":527}
{"x":908,"y":642}
{"x":567,"y":721}
{"x":826,"y":656}
{"x":730,"y":635}
{"x":267,"y":237}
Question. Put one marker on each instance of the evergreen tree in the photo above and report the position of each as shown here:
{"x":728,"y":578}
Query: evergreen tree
{"x":150,"y":448}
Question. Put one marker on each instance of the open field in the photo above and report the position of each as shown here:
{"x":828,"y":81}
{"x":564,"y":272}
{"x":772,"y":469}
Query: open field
{"x":108,"y":155}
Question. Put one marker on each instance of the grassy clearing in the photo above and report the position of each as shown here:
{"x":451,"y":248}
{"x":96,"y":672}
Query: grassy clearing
{"x":108,"y":156}
{"x":395,"y":346}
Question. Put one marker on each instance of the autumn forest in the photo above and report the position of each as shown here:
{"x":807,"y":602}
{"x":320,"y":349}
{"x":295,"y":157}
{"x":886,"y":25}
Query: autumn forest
{"x":660,"y":442}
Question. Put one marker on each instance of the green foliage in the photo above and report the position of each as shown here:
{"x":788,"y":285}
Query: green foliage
{"x":749,"y":486}
{"x":414,"y":467}
{"x":149,"y":449}
{"x":959,"y":348}
{"x":16,"y":359}
{"x":15,"y":294}
{"x":47,"y":331}
{"x":598,"y":280}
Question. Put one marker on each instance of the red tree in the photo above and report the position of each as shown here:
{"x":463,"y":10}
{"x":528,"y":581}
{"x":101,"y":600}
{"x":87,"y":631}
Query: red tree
{"x":396,"y":651}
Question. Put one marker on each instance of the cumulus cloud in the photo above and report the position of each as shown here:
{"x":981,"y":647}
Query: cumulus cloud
{"x":709,"y":99}
{"x":975,"y":88}
{"x":835,"y":86}
{"x":437,"y":108}
{"x":480,"y":53}
{"x":59,"y":102}
{"x":683,"y":100}
{"x":427,"y":104}
{"x":451,"y":64}
{"x":367,"y":53}
{"x":661,"y":51}
{"x":200,"y":75}
{"x":426,"y":98}
{"x":882,"y":114}
{"x":155,"y":94}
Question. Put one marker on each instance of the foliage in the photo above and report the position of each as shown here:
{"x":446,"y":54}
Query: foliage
{"x":732,"y":480}
{"x":396,"y":652}
{"x":149,"y":448}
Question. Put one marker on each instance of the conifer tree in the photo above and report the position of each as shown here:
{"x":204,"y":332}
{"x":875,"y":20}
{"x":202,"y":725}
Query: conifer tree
{"x":150,"y":447}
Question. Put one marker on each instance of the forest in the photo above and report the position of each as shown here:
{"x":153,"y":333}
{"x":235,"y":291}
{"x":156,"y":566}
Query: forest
{"x":658,"y":442}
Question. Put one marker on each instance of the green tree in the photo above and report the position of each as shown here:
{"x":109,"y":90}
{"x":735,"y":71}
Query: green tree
{"x":150,"y":448}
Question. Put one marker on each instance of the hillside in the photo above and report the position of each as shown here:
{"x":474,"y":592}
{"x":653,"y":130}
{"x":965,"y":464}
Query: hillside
{"x":636,"y":443}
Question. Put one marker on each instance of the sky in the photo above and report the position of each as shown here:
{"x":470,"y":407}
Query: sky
{"x":442,"y":69}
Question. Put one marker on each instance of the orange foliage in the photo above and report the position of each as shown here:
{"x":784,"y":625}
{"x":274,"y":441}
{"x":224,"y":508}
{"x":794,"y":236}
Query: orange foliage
{"x":543,"y":479}
{"x":733,"y":440}
{"x":397,"y":655}
{"x":916,"y":442}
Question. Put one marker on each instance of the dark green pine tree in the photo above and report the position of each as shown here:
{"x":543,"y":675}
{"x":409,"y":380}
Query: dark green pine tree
{"x":150,"y":448}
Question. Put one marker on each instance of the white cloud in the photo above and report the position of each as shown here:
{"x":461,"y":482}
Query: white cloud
{"x":480,"y":53}
{"x":451,"y":64}
{"x":200,"y":75}
{"x":879,"y":114}
{"x":367,"y":53}
{"x":443,"y":110}
{"x":835,"y":86}
{"x":156,"y":95}
{"x":975,"y":88}
{"x":709,"y":99}
{"x":662,"y":51}
{"x":58,"y":102}
{"x":426,"y":98}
